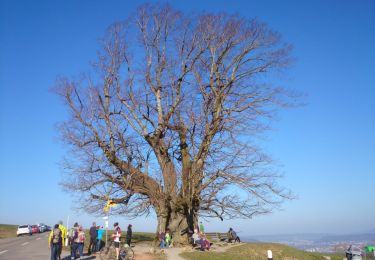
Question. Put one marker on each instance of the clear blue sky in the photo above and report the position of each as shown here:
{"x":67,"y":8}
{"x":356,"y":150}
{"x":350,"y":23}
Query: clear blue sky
{"x":326,"y":149}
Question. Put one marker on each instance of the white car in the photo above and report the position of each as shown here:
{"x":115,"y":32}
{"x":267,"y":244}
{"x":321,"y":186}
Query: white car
{"x":24,"y":230}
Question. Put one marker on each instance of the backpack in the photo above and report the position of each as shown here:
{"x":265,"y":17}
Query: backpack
{"x":70,"y":236}
{"x":81,"y":236}
{"x":71,"y":233}
{"x":56,"y":236}
{"x":78,"y":239}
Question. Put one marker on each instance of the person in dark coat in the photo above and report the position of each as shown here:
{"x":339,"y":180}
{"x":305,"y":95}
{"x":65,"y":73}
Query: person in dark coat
{"x":129,"y":235}
{"x":93,"y":237}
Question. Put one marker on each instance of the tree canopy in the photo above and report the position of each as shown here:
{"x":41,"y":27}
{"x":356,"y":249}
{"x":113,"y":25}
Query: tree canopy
{"x":169,"y":121}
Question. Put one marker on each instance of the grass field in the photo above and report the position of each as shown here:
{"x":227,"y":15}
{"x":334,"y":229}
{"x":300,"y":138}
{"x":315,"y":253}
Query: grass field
{"x":8,"y":231}
{"x":258,"y":251}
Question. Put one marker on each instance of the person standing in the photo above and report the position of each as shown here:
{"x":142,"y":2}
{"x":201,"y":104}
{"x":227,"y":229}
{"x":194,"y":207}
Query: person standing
{"x":93,"y":237}
{"x":55,"y":242}
{"x":116,"y":239}
{"x":63,"y":236}
{"x":168,"y":238}
{"x":80,"y":240}
{"x":99,"y":238}
{"x":201,"y":227}
{"x":73,"y":234}
{"x":129,"y":234}
{"x":162,"y":239}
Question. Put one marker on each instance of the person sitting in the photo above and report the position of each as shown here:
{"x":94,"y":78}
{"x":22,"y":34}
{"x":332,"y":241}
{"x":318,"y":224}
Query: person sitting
{"x":197,"y":240}
{"x":205,"y":243}
{"x":232,"y":235}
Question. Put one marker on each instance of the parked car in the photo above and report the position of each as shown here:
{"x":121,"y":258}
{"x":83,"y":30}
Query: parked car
{"x":35,"y":229}
{"x":42,"y":227}
{"x":24,"y":230}
{"x":48,"y":228}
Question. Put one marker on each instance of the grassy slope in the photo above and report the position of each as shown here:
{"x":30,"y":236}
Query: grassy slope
{"x":258,"y":251}
{"x":8,"y":230}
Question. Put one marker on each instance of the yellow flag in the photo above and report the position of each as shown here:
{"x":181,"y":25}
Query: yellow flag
{"x":109,"y":204}
{"x":112,"y":204}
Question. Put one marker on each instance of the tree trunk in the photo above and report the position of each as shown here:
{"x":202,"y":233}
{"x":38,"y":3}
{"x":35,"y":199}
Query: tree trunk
{"x":181,"y":225}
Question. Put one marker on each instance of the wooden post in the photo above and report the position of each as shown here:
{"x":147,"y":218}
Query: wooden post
{"x":269,"y":254}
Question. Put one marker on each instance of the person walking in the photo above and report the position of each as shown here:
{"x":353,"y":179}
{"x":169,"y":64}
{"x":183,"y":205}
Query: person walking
{"x":63,"y":236}
{"x":55,"y":242}
{"x":129,"y":234}
{"x":93,"y":237}
{"x":116,"y":239}
{"x":100,"y":232}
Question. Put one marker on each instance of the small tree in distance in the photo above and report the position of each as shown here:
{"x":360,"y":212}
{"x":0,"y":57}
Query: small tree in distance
{"x":168,"y":123}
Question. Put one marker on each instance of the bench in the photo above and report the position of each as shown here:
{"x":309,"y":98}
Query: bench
{"x":221,"y":237}
{"x":215,"y":236}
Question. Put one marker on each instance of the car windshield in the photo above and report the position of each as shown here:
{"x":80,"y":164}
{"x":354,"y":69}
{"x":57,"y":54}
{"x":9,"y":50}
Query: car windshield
{"x":25,"y":226}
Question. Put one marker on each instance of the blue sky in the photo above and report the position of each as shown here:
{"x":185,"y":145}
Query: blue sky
{"x":325,"y":149}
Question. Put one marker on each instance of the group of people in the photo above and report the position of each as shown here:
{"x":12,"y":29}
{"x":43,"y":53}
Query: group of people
{"x":76,"y":238}
{"x":200,"y":238}
{"x":117,"y":235}
{"x":165,"y":239}
{"x":96,"y":235}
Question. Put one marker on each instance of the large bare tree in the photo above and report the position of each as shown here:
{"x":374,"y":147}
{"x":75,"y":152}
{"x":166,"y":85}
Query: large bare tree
{"x":168,"y":123}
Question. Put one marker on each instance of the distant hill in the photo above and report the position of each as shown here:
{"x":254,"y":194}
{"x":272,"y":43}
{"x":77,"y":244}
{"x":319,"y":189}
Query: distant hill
{"x":282,"y":237}
{"x":370,"y":238}
{"x":316,"y":242}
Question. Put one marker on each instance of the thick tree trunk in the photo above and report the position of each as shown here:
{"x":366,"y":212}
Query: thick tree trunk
{"x":181,"y":225}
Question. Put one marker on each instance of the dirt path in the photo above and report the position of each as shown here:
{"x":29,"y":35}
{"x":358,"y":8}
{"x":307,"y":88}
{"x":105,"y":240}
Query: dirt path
{"x":143,"y":251}
{"x":173,"y":253}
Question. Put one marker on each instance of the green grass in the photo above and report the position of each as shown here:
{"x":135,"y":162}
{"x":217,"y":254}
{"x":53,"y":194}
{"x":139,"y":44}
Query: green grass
{"x":8,"y":231}
{"x":258,"y":251}
{"x":136,"y":238}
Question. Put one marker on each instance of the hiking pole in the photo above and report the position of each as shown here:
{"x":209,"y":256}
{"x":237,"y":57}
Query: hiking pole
{"x":66,"y":235}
